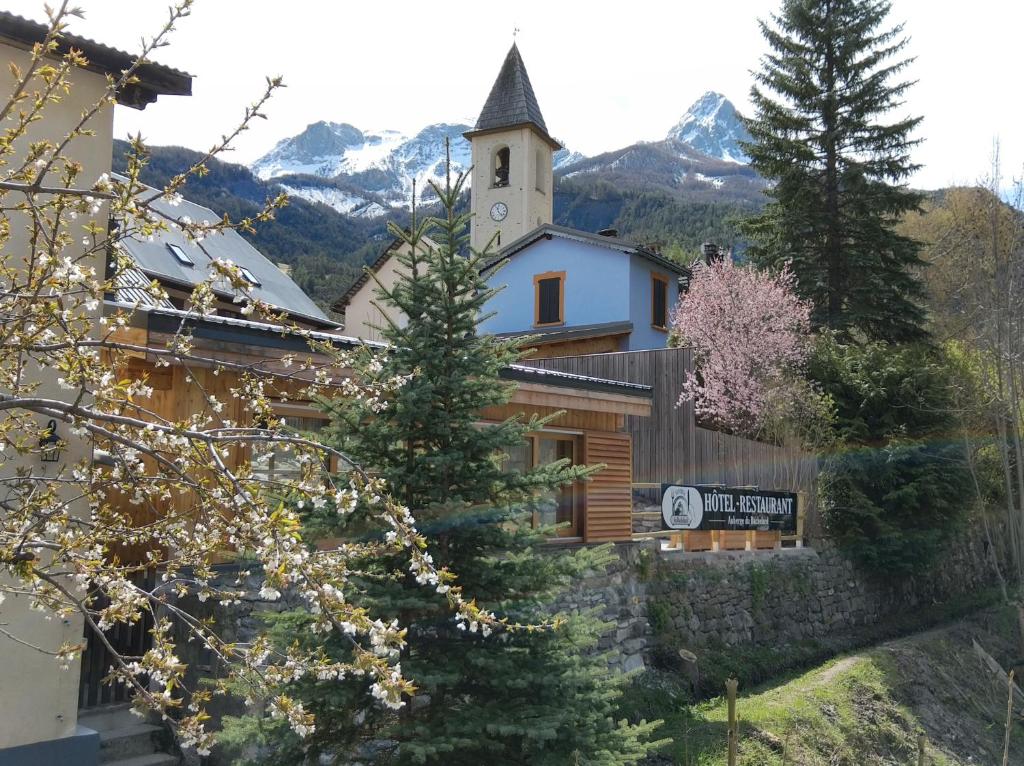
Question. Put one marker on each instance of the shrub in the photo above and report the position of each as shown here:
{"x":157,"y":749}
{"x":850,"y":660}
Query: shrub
{"x":897,"y":489}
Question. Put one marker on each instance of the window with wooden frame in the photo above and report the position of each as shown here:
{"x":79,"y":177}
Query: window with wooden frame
{"x":563,"y":507}
{"x":549,"y":299}
{"x":276,"y":463}
{"x":659,"y":301}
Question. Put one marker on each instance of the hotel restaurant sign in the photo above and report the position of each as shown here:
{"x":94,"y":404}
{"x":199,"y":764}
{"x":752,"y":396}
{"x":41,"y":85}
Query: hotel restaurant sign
{"x":709,"y":507}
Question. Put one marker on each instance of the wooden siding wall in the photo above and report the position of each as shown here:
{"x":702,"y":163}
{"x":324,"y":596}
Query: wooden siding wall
{"x":602,"y":345}
{"x":569,"y":419}
{"x":609,"y":497}
{"x":663,"y":444}
{"x":668,"y":446}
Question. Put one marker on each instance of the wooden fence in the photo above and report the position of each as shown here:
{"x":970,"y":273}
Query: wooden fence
{"x":669,"y":446}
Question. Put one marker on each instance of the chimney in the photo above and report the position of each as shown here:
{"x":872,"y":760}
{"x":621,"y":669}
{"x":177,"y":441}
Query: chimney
{"x":710,"y":252}
{"x":284,"y":268}
{"x":609,"y":232}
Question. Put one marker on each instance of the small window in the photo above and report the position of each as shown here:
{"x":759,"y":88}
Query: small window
{"x":180,"y":255}
{"x":502,"y":161}
{"x":659,"y":301}
{"x":550,"y":298}
{"x":249,"y":276}
{"x":275,"y":462}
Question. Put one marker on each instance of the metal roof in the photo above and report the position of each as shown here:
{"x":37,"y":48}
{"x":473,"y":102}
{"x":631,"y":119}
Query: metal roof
{"x":560,"y":334}
{"x":512,"y":102}
{"x":155,"y":259}
{"x":549,"y":230}
{"x":526,"y":374}
{"x":130,"y":288}
{"x":233,"y":329}
{"x":153,"y":79}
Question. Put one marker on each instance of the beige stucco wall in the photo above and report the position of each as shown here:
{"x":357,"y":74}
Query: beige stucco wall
{"x":38,"y":700}
{"x":529,"y":202}
{"x":362,"y":317}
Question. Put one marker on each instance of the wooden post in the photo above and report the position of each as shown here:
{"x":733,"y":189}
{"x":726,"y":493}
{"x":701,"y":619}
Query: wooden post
{"x":801,"y":512}
{"x":749,"y":545}
{"x":733,"y":730}
{"x":920,"y":749}
{"x":714,"y":540}
{"x":1009,"y":720}
{"x":1020,"y":626}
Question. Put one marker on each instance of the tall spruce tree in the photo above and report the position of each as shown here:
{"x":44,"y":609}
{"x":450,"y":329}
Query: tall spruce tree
{"x":838,"y":168}
{"x":539,"y":697}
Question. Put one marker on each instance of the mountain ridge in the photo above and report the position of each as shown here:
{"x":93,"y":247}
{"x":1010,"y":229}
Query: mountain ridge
{"x":363,"y":173}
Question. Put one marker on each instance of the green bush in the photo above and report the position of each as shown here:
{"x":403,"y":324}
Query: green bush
{"x":897,"y":487}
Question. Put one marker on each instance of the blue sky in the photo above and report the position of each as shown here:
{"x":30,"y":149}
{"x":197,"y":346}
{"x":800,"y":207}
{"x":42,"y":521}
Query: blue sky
{"x":606,"y":74}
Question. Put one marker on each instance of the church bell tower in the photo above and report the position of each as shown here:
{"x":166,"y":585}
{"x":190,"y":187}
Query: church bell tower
{"x":512,"y":161}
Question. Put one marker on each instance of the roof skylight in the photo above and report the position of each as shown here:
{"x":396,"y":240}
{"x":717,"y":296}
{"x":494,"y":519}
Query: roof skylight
{"x":180,"y":255}
{"x":249,"y":276}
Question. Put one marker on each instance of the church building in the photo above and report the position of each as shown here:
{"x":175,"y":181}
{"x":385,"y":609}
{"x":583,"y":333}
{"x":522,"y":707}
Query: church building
{"x":574,"y":292}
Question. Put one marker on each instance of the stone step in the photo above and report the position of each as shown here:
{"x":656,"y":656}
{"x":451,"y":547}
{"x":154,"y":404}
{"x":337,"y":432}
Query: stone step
{"x":108,"y":717}
{"x":153,"y":759}
{"x":128,"y":741}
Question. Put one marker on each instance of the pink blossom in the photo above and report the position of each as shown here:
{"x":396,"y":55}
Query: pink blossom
{"x":750,"y":334}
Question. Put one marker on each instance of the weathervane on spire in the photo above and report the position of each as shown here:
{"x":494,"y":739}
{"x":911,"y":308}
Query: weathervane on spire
{"x":515,"y":31}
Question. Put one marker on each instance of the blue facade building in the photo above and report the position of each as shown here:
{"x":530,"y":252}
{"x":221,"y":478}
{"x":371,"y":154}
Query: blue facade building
{"x":582,"y":293}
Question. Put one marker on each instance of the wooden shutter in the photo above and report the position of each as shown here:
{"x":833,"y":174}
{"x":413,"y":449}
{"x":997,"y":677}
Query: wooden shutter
{"x":550,"y":295}
{"x":659,"y":301}
{"x":609,"y":494}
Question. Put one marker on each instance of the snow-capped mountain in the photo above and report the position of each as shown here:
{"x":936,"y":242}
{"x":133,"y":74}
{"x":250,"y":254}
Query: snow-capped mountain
{"x":712,"y":127}
{"x":367,"y":171}
{"x":670,"y":166}
{"x":700,"y":158}
{"x":378,"y":168}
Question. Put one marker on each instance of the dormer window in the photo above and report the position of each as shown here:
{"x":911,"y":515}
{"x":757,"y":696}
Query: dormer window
{"x":180,"y":255}
{"x":549,"y":298}
{"x":502,"y":161}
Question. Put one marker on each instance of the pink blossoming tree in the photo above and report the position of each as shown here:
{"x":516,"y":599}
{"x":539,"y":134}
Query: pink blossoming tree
{"x":751,"y":337}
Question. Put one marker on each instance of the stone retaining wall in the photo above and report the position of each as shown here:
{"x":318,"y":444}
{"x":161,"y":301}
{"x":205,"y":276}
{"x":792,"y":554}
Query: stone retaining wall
{"x":771,"y":598}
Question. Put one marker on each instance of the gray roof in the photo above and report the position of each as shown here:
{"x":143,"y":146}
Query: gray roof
{"x":549,"y":230}
{"x":155,"y":260}
{"x":130,"y":289}
{"x":512,"y":101}
{"x":152,"y":79}
{"x":579,"y":332}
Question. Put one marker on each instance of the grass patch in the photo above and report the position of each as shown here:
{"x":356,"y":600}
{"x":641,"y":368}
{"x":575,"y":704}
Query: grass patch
{"x":863,"y":709}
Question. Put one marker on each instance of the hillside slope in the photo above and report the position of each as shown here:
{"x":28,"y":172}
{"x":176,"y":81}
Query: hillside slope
{"x":866,"y":708}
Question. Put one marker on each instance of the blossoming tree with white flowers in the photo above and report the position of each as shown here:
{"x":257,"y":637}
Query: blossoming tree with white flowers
{"x":91,"y":466}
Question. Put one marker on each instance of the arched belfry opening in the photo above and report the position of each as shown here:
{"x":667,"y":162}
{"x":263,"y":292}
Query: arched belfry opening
{"x":502,"y":162}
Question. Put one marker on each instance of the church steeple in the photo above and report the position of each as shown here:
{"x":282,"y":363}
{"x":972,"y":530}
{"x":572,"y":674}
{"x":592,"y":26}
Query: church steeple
{"x":512,"y":160}
{"x":512,"y":102}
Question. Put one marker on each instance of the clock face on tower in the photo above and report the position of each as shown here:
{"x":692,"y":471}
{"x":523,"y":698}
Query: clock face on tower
{"x":498,"y":211}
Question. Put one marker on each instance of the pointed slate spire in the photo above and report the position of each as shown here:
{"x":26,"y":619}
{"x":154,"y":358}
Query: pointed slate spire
{"x":512,"y":101}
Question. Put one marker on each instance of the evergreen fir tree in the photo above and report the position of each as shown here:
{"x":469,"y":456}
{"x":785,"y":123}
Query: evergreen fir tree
{"x":838,"y":170}
{"x":539,"y":697}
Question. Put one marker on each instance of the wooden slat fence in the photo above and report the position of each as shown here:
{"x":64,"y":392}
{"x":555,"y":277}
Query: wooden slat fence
{"x":669,"y":446}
